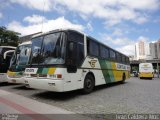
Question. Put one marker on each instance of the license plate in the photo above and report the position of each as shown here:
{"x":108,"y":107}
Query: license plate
{"x":14,"y":81}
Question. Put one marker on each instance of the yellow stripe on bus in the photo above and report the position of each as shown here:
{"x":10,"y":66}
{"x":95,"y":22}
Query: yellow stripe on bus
{"x":51,"y":70}
{"x":11,"y":73}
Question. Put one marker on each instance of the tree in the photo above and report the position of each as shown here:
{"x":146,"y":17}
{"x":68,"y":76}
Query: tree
{"x":8,"y":37}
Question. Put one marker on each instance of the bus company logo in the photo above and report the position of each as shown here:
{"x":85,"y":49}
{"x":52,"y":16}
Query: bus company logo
{"x":92,"y":63}
{"x":121,"y":67}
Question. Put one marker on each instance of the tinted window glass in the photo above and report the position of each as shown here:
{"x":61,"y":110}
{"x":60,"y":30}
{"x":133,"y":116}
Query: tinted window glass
{"x":77,"y":37}
{"x":93,"y":48}
{"x":119,"y":57}
{"x":127,"y":60}
{"x":80,"y":54}
{"x":76,"y":42}
{"x":112,"y":54}
{"x":104,"y":52}
{"x":21,"y":55}
{"x":3,"y":50}
{"x":24,"y":54}
{"x":123,"y":59}
{"x":10,"y":53}
{"x":36,"y":47}
{"x":50,"y":48}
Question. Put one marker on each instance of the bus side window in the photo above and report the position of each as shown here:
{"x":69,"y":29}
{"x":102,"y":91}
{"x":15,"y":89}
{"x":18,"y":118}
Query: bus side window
{"x":104,"y":52}
{"x":127,"y":60}
{"x":92,"y":48}
{"x":123,"y":59}
{"x":112,"y":54}
{"x":119,"y":57}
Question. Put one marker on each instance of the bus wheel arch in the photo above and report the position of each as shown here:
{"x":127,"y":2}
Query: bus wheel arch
{"x":89,"y":83}
{"x":123,"y":78}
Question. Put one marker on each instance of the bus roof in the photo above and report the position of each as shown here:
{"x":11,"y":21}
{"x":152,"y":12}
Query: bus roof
{"x":61,"y":30}
{"x":145,"y":64}
{"x":25,"y":43}
{"x":8,"y":47}
{"x":56,"y":30}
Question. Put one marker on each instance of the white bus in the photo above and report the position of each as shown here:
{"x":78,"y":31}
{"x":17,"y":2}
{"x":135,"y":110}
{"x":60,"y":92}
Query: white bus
{"x":18,"y":63}
{"x":146,"y":70}
{"x":65,"y":60}
{"x":6,"y":53}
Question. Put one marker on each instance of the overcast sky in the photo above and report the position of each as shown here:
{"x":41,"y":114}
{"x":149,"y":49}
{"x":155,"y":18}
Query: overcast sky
{"x":117,"y":23}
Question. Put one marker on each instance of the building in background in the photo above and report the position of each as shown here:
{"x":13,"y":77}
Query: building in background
{"x":155,"y":50}
{"x":158,"y":49}
{"x":147,"y":51}
{"x":140,"y":50}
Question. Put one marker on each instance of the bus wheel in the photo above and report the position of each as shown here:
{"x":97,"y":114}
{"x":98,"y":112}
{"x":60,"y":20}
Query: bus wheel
{"x":123,"y":78}
{"x":88,"y":84}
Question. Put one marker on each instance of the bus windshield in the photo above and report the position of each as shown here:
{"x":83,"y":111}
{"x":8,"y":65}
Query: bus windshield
{"x":48,"y":49}
{"x":21,"y":56}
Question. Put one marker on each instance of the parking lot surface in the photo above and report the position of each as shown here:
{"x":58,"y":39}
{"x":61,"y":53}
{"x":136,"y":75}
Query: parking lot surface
{"x":135,"y":96}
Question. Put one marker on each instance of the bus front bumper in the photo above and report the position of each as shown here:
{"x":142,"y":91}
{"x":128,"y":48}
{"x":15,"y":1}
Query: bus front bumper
{"x":15,"y":77}
{"x":45,"y":84}
{"x":15,"y":80}
{"x":145,"y":75}
{"x":3,"y":77}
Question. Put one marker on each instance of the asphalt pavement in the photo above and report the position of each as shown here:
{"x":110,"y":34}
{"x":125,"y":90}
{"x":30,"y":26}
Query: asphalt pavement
{"x":135,"y":96}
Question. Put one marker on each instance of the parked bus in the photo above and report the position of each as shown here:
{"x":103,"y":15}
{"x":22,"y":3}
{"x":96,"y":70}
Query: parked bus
{"x":146,"y":70}
{"x":6,"y":53}
{"x":18,"y":63}
{"x":65,"y":60}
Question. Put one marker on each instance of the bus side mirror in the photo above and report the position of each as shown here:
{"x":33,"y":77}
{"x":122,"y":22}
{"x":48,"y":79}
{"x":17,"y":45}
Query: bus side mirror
{"x":18,"y":51}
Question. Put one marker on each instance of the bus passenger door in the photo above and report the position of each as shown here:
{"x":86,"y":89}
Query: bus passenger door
{"x":75,"y":59}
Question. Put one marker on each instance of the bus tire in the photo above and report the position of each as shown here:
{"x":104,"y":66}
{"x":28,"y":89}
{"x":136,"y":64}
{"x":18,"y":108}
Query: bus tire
{"x":89,"y":84}
{"x":123,"y":78}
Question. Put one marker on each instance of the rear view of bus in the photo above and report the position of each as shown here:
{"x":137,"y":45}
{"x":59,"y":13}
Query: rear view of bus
{"x":18,"y":63}
{"x":145,"y":70}
{"x":6,"y":53}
